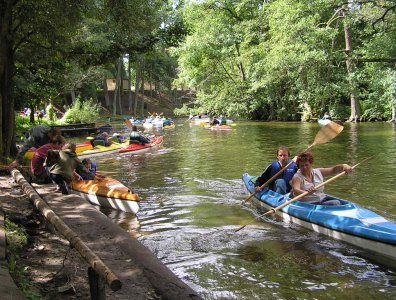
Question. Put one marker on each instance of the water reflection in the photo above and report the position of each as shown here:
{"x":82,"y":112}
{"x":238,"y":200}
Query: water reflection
{"x":191,"y":194}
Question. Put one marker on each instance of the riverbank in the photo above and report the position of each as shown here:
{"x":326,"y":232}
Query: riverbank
{"x":46,"y":266}
{"x":49,"y":268}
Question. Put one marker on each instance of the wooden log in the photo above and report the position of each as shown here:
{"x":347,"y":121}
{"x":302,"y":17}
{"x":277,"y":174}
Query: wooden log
{"x":90,"y":257}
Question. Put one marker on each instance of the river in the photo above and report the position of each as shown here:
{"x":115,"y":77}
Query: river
{"x":192,"y":191}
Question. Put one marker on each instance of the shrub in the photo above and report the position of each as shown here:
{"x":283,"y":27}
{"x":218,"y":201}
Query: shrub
{"x":81,"y":112}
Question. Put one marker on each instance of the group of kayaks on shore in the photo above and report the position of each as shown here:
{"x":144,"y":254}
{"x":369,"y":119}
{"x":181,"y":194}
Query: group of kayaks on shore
{"x":70,"y":167}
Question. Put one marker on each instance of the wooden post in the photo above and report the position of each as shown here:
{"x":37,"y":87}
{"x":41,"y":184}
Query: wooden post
{"x":96,"y":285}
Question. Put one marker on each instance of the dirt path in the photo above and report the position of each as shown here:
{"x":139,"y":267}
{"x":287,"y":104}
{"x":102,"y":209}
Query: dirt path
{"x":58,"y":272}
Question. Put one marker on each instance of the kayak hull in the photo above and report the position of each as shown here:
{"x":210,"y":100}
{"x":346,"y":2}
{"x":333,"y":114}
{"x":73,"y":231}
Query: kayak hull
{"x":138,"y":149}
{"x":80,"y":147}
{"x":108,"y":193}
{"x":347,"y":222}
{"x":102,"y":150}
{"x":218,"y":127}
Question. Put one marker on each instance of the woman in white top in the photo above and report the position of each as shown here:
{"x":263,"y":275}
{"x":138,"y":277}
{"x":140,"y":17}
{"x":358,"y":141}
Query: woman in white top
{"x":307,"y":178}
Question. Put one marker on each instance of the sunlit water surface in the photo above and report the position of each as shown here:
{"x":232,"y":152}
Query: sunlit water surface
{"x":191,"y":192}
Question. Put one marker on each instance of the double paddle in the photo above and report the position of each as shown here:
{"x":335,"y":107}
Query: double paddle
{"x":325,"y":134}
{"x":273,"y":210}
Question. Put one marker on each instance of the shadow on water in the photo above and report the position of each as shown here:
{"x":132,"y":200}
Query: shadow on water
{"x":192,"y":192}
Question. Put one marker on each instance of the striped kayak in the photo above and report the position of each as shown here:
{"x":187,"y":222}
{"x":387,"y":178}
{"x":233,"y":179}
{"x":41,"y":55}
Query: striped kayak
{"x":141,"y":149}
{"x":347,"y":222}
{"x":101,"y":150}
{"x":80,"y":147}
{"x":107,"y":192}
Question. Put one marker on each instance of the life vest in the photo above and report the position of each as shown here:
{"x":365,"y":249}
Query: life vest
{"x":287,"y":174}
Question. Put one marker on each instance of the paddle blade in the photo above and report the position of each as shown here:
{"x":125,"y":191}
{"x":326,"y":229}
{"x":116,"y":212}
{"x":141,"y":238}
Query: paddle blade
{"x":327,"y":133}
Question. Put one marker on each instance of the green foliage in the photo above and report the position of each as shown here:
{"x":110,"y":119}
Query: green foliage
{"x":16,"y":236}
{"x":285,"y":59}
{"x":17,"y":239}
{"x":81,"y":112}
{"x":50,"y":112}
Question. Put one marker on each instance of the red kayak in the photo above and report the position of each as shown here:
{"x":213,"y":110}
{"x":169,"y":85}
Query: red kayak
{"x":140,"y":149}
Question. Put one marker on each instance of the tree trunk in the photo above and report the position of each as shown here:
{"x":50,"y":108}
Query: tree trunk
{"x":355,"y":110}
{"x":117,"y":86}
{"x":129,"y":85}
{"x":7,"y":114}
{"x":106,"y":93}
{"x":142,"y":75}
{"x":120,"y":88}
{"x":73,"y":95}
{"x":137,"y":78}
{"x":240,"y":65}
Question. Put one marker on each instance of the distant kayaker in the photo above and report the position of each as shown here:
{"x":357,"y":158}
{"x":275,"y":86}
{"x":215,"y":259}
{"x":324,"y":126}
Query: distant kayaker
{"x":306,"y":178}
{"x":215,"y":121}
{"x":223,"y":120}
{"x":136,"y":137}
{"x":36,"y":137}
{"x":326,"y":116}
{"x":281,"y":184}
{"x":103,"y":138}
{"x":167,"y":122}
{"x":37,"y":164}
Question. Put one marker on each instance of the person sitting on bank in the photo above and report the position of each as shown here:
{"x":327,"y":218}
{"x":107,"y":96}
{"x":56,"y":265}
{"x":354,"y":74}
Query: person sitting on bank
{"x":63,"y":166}
{"x":281,"y":184}
{"x":103,"y":138}
{"x":37,"y":165}
{"x":136,"y":137}
{"x":36,"y":137}
{"x":307,"y":178}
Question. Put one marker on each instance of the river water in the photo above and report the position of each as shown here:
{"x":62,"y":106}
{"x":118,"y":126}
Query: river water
{"x":192,"y":191}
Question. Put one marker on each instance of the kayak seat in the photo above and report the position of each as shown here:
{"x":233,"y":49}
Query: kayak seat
{"x":98,"y":143}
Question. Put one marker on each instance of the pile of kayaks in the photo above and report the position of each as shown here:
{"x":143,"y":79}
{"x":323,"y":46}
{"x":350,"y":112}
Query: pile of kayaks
{"x":107,"y":192}
{"x":86,"y":150}
{"x":80,"y":147}
{"x":347,"y":222}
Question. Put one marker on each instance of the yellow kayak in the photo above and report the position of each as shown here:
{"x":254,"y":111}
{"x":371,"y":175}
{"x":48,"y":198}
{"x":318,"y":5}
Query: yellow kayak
{"x":100,"y":150}
{"x":80,"y":147}
{"x":107,"y":192}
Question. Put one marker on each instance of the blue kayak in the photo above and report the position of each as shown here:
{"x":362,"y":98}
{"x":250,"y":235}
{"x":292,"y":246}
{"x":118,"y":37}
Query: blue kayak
{"x":348,"y":222}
